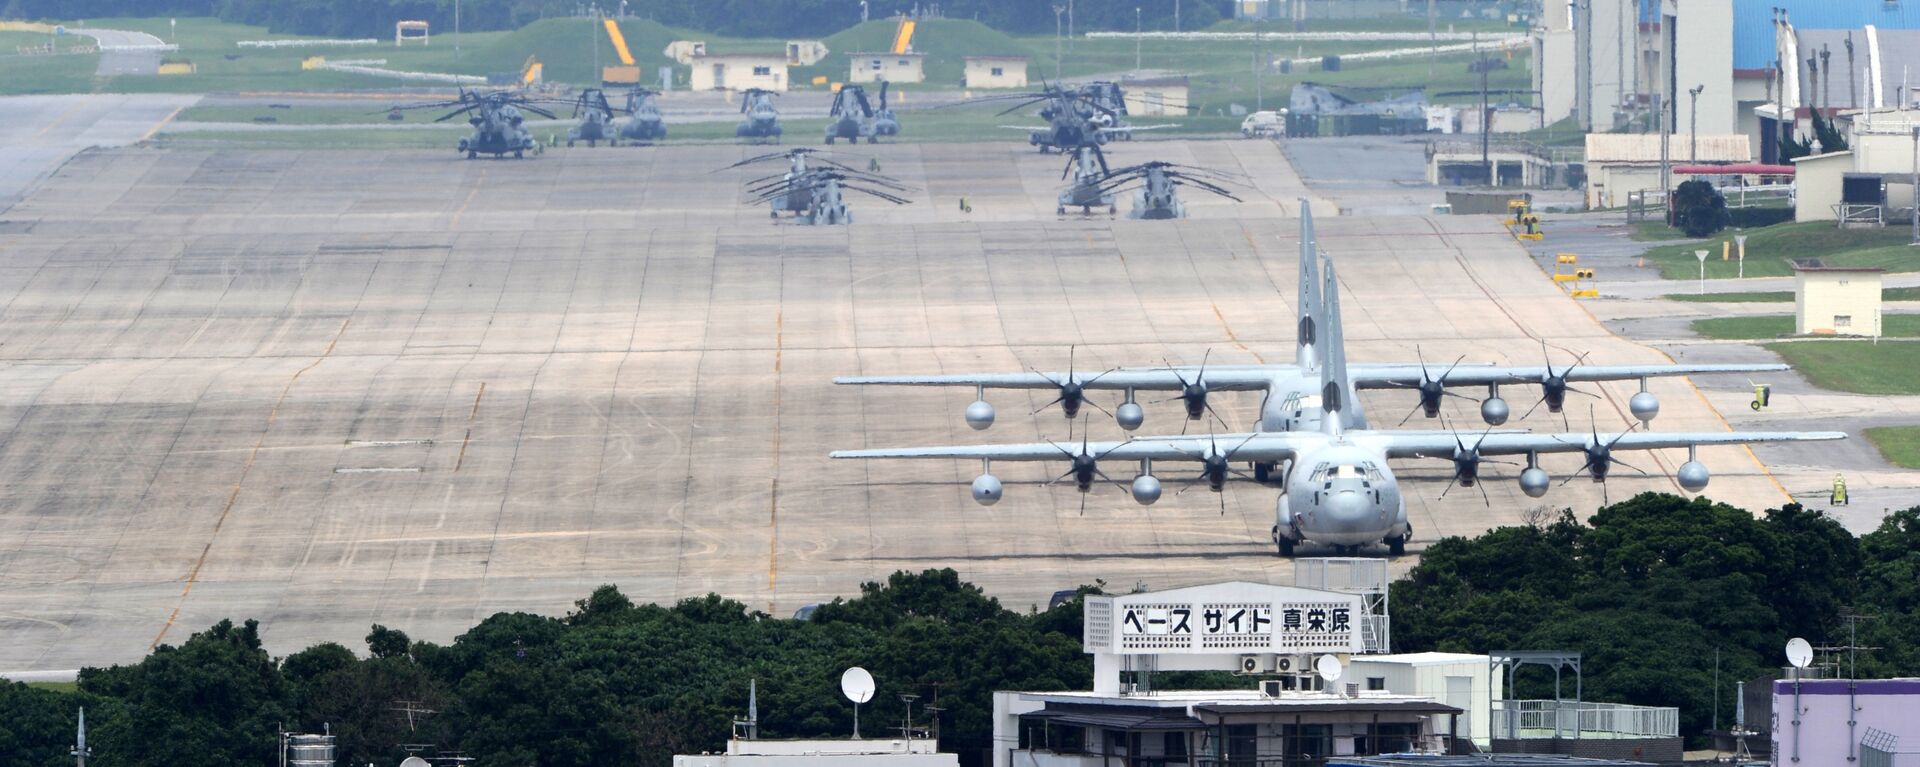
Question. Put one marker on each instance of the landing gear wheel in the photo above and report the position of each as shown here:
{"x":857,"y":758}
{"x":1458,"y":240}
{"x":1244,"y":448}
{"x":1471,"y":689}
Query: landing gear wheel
{"x":472,"y":154}
{"x":1397,"y":546}
{"x":829,"y":141}
{"x":519,"y":154}
{"x":873,"y":139}
{"x":1060,"y":211}
{"x":1261,"y":472}
{"x":1112,"y":209}
{"x":569,"y":143}
{"x":1285,"y":545}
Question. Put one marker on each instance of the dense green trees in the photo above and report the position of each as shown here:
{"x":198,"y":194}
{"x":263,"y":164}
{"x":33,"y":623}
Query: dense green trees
{"x":738,"y":18}
{"x":1648,"y":590}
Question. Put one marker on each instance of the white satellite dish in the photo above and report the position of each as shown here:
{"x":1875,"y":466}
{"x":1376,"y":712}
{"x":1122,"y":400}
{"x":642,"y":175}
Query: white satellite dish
{"x":1328,"y":667}
{"x":857,"y":685}
{"x":414,"y":761}
{"x":1799,"y":653}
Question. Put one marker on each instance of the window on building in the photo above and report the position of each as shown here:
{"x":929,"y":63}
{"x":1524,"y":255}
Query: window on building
{"x":1376,"y":683}
{"x":1307,"y":740}
{"x":1243,"y":742}
{"x":873,"y":64}
{"x":763,"y":71}
{"x":1842,"y":321}
{"x":999,"y":72}
{"x":1174,"y":744}
{"x":904,"y":62}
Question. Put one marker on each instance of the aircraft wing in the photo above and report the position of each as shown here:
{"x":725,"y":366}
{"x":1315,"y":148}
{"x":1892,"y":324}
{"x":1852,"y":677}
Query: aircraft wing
{"x":1441,"y":444}
{"x":1381,"y":377}
{"x":1264,"y":447}
{"x":1246,"y":378}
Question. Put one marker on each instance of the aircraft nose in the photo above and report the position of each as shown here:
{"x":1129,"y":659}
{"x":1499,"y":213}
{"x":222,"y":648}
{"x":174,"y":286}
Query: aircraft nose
{"x":1348,"y":510}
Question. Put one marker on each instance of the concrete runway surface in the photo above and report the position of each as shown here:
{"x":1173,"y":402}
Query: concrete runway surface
{"x":328,"y":389}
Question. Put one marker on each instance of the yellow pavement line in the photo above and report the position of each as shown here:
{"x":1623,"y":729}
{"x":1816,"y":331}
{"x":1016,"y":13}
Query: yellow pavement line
{"x":163,"y":123}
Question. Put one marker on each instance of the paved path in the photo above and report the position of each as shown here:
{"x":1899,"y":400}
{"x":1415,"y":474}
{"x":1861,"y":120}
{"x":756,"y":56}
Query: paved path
{"x":143,"y":59}
{"x":42,"y":132}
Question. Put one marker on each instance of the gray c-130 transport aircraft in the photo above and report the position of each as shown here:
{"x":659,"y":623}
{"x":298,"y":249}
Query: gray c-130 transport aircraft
{"x":1337,"y":488}
{"x":1292,"y":391}
{"x":1348,"y":496}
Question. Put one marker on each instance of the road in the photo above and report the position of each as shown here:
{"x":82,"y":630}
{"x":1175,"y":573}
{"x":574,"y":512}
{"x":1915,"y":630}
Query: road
{"x":145,"y":61}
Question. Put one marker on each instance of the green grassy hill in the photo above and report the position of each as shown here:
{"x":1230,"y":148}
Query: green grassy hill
{"x":944,"y":41}
{"x":566,"y":48}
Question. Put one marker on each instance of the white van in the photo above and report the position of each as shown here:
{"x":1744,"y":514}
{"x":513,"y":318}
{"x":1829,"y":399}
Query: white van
{"x":1266,"y":122}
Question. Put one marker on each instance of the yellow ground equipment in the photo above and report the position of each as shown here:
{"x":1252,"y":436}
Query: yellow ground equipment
{"x":530,"y":72}
{"x":1762,"y":395}
{"x":625,"y":73}
{"x":1580,"y":282}
{"x":1839,"y":494}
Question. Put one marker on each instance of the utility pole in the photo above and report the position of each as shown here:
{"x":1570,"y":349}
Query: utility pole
{"x":1136,"y":38}
{"x":1433,"y":39}
{"x":1661,"y":98}
{"x":1693,"y":123}
{"x":1069,"y":21}
{"x":456,"y":29}
{"x":1259,"y":83}
{"x":1916,"y":185}
{"x":1057,"y":10}
{"x":1176,"y":15}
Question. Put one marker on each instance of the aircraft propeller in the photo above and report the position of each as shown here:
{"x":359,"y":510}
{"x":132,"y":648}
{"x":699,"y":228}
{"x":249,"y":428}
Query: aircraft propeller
{"x":1216,"y":466}
{"x":1600,"y":458}
{"x":1431,"y":389}
{"x":1554,"y":388}
{"x":1085,"y":469}
{"x":1466,"y":465}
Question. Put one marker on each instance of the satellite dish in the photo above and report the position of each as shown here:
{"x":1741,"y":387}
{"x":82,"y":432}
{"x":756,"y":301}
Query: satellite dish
{"x":1799,"y":653}
{"x":857,"y":685}
{"x":1328,"y":667}
{"x":414,"y":761}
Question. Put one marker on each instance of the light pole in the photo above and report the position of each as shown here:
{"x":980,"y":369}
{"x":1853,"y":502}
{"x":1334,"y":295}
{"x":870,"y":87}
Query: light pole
{"x":1916,"y":185}
{"x":1176,"y":15}
{"x":1136,"y":38}
{"x":1057,"y":10}
{"x":1693,"y":123}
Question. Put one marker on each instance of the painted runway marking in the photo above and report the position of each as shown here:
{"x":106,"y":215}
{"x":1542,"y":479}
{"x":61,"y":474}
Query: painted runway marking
{"x":469,"y":436}
{"x":233,"y":497}
{"x":163,"y":123}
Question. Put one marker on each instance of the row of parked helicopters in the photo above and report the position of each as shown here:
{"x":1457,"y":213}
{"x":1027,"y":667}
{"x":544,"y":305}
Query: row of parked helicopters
{"x":1076,"y":117}
{"x":1080,"y":121}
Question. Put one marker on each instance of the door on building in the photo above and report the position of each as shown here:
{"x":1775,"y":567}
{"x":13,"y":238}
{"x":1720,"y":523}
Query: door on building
{"x":1460,"y":696}
{"x":719,"y":76}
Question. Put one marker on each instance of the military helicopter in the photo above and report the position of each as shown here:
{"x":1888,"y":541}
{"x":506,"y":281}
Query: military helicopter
{"x":497,"y":123}
{"x":763,"y":120}
{"x":852,"y":117}
{"x":797,"y":165}
{"x":646,"y":124}
{"x":823,"y":191}
{"x":1088,"y":165}
{"x":596,"y":119}
{"x":1156,"y":196}
{"x":884,"y":121}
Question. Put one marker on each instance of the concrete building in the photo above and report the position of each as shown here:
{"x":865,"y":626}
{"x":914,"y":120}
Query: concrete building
{"x":880,"y":752}
{"x":1157,"y":97}
{"x":1619,"y":164}
{"x":891,"y":67}
{"x":1605,"y":61}
{"x":1459,"y":680}
{"x":1835,"y":300}
{"x":1869,"y":722}
{"x":739,"y":71}
{"x":1870,"y":184}
{"x":994,"y":72}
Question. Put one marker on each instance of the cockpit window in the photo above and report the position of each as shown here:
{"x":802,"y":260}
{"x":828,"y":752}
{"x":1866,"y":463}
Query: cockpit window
{"x":1347,"y":471}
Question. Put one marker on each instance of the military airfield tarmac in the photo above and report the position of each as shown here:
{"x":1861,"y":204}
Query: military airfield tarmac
{"x":327,"y":389}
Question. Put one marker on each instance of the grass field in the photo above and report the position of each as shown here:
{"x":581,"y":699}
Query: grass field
{"x":1861,"y":367}
{"x":1769,"y":248}
{"x":56,"y":686}
{"x":1221,"y":72}
{"x":1900,"y":445}
{"x":1778,"y":325}
{"x":1779,"y":296}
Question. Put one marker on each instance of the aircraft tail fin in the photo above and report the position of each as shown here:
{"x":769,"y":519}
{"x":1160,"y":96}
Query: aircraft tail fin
{"x":1306,"y":332}
{"x":1334,"y":385}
